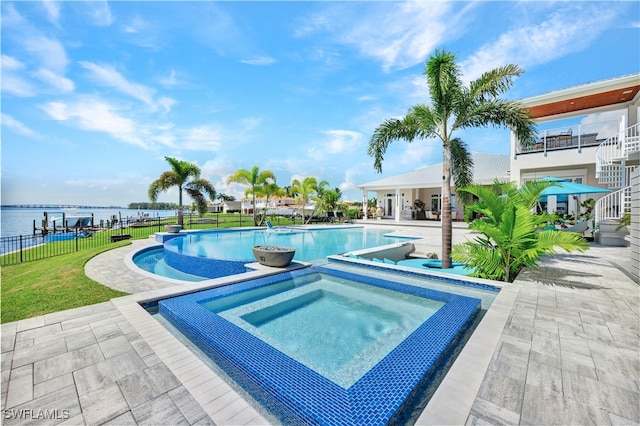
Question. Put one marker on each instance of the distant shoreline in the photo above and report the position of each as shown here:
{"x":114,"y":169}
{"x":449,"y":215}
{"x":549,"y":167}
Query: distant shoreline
{"x":57,"y":206}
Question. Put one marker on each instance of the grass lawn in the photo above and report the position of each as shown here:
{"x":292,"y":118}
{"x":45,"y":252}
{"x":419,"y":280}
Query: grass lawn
{"x":50,"y":285}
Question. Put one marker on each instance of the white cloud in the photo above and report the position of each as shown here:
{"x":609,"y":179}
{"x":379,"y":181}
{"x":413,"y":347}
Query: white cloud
{"x":10,"y":63}
{"x":51,"y":53}
{"x":603,"y":123}
{"x":166,"y":103}
{"x":350,"y":182}
{"x":551,"y":39}
{"x":259,"y":60}
{"x":170,"y":81}
{"x":399,"y":34}
{"x":99,"y":13}
{"x":18,"y":127}
{"x":339,"y":141}
{"x":52,"y":8}
{"x":110,"y":77}
{"x":59,"y":83}
{"x":420,"y":152}
{"x":203,"y":138}
{"x":98,"y":116}
{"x":136,"y":25}
{"x":16,"y":85}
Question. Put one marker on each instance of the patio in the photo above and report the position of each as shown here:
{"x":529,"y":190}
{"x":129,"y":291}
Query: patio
{"x":560,"y":345}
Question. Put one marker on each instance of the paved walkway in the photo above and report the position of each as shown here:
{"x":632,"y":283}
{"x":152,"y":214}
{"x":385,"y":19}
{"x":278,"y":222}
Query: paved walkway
{"x":559,"y":346}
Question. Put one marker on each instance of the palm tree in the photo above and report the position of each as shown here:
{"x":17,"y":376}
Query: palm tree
{"x":268,"y":190}
{"x":186,"y":176}
{"x":454,"y":107}
{"x":512,"y":236}
{"x":307,"y":189}
{"x":252,"y":179}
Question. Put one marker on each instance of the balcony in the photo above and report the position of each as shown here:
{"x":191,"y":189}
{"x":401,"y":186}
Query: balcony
{"x":570,"y":137}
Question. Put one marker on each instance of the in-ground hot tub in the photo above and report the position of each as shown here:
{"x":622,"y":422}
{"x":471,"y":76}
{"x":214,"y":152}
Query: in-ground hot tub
{"x":283,"y":339}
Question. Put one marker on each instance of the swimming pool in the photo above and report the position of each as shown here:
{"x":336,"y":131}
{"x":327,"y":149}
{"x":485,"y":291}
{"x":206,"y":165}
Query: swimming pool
{"x":226,"y":252}
{"x":321,"y":373}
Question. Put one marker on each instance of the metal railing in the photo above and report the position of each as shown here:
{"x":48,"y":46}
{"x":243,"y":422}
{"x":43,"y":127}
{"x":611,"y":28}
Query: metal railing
{"x":570,"y":137}
{"x":616,"y":148}
{"x":614,"y":205}
{"x":41,"y":245}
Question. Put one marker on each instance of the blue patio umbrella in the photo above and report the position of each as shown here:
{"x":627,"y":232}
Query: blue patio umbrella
{"x":565,"y":187}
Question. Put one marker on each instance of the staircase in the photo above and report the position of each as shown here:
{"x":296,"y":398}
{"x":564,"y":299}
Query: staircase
{"x":612,"y":153}
{"x":611,"y":169}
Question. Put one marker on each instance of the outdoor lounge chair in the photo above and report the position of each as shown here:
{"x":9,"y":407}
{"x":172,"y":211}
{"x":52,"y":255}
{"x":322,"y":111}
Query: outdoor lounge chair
{"x":579,"y":227}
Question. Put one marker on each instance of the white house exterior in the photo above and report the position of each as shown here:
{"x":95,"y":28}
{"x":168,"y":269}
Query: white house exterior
{"x":396,"y":194}
{"x":591,"y":135}
{"x":587,"y":133}
{"x":225,"y":206}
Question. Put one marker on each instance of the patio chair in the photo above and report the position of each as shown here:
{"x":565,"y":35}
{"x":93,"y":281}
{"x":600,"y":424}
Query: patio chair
{"x":579,"y":227}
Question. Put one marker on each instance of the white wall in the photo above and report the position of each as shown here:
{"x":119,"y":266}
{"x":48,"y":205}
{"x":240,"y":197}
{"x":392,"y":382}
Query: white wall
{"x":635,"y":223}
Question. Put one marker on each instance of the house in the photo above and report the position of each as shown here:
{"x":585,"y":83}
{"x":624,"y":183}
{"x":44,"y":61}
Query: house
{"x":225,"y":207}
{"x":397,"y":195}
{"x":589,"y":134}
{"x":281,"y":206}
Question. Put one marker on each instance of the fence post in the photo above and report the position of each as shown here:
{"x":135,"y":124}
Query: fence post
{"x":77,"y":242}
{"x":20,"y":248}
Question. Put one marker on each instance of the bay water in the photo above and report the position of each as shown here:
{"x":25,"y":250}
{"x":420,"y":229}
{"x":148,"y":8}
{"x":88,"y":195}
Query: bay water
{"x":15,"y":221}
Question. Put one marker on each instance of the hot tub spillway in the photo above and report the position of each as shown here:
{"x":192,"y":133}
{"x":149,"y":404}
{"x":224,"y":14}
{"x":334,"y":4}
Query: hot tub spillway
{"x":200,"y":265}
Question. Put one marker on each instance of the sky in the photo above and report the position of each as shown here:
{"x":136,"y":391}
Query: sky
{"x":96,"y":94}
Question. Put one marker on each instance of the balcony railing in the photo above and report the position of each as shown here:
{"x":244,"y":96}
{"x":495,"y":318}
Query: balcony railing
{"x":570,"y":137}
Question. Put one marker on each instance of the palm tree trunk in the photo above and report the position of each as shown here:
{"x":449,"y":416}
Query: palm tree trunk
{"x":180,"y":216}
{"x":446,"y":207}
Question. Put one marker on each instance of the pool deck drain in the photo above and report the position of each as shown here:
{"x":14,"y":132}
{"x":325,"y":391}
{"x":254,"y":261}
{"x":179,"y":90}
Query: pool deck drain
{"x":560,"y":345}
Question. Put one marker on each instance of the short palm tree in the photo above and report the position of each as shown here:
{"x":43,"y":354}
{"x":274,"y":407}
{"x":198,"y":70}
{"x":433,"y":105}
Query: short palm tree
{"x":512,"y":237}
{"x":268,"y":191}
{"x":186,"y":176}
{"x":454,"y":107}
{"x":252,"y":179}
{"x":306,"y":190}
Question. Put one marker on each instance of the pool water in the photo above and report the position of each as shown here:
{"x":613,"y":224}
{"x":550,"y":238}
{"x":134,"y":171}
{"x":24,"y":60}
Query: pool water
{"x":319,"y":345}
{"x":336,"y":327}
{"x":309,"y":243}
{"x":202,"y":255}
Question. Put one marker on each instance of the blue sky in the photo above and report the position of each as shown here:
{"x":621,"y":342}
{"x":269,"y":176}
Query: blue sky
{"x":96,"y":94}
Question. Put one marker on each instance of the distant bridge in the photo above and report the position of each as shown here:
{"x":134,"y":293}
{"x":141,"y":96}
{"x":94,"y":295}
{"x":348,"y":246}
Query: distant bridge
{"x":58,"y":206}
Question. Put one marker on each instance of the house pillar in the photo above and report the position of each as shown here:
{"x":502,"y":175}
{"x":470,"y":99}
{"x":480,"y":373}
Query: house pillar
{"x":398,"y":208}
{"x":552,"y":203}
{"x":365,"y":207}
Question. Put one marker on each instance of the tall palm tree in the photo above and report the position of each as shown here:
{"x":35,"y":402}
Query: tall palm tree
{"x":186,"y":176}
{"x":252,"y":179}
{"x":454,"y":107}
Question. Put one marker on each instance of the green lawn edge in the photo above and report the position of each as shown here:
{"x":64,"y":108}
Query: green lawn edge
{"x":49,"y":285}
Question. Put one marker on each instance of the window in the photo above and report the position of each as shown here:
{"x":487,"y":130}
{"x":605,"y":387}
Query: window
{"x":435,"y":202}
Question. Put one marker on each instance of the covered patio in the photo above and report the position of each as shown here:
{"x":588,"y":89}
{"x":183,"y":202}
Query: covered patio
{"x":399,"y":197}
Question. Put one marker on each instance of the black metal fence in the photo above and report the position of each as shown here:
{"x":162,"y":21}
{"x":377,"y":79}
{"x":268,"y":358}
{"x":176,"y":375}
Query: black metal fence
{"x":41,"y":245}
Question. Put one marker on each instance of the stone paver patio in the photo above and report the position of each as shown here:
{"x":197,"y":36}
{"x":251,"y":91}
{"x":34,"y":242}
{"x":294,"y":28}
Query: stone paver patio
{"x":559,"y":346}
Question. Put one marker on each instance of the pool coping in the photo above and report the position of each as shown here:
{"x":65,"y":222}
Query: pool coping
{"x":310,"y":396}
{"x":450,"y":404}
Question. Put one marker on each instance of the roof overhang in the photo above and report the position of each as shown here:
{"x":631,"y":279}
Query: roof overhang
{"x":586,"y":98}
